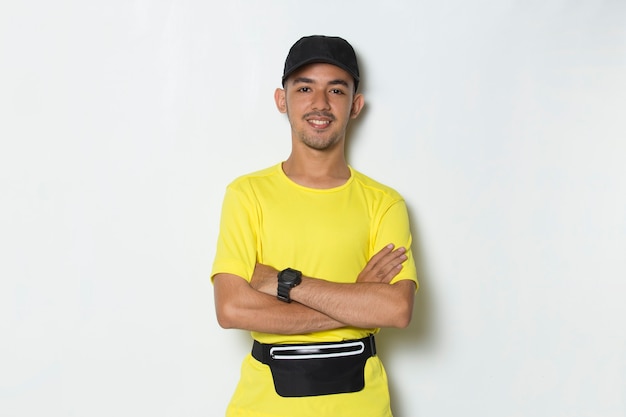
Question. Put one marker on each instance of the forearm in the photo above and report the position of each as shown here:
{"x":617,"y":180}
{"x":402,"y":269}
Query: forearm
{"x":239,"y":306}
{"x":364,"y":305}
{"x":370,"y":302}
{"x":272,"y":316}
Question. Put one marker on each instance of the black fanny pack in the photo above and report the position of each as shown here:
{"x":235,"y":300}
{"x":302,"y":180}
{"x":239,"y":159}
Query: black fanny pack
{"x":317,"y":368}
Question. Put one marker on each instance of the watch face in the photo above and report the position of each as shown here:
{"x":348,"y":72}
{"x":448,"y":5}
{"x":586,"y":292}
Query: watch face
{"x":290,"y":276}
{"x":287,"y":279}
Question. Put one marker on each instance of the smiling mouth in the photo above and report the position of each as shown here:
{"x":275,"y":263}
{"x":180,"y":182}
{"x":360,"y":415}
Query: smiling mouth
{"x":319,"y":120}
{"x":319,"y":124}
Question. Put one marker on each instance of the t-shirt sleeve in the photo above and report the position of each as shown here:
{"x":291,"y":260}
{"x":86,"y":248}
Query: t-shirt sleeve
{"x":236,"y":246}
{"x":394,"y":228}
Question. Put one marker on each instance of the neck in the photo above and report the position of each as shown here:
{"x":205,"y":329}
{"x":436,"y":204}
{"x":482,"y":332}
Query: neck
{"x":317,"y":169}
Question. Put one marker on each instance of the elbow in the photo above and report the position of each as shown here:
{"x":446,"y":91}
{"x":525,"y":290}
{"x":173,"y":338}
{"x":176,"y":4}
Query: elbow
{"x":403,"y":306}
{"x":401,"y":317}
{"x":223,"y":320}
{"x":398,"y":318}
{"x":224,"y":323}
{"x":226,"y":316}
{"x":402,"y":320}
{"x":403,"y":314}
{"x":228,"y":305}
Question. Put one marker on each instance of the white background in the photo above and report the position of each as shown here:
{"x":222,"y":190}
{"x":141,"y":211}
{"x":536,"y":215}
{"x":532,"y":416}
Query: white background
{"x":501,"y":122}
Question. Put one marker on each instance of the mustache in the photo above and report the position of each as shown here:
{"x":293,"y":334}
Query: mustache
{"x":324,"y":114}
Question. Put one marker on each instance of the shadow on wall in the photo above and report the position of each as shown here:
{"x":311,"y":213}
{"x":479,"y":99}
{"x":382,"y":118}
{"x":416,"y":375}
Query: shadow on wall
{"x":419,"y":335}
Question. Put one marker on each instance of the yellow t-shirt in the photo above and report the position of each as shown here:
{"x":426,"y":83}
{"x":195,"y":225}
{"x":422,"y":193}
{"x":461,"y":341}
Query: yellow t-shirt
{"x":325,"y":233}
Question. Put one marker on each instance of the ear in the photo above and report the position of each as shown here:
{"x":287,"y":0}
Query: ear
{"x":357,"y":105}
{"x":281,"y":103}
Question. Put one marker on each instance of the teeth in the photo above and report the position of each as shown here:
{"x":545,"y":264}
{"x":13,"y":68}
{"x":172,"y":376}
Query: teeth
{"x":319,"y":122}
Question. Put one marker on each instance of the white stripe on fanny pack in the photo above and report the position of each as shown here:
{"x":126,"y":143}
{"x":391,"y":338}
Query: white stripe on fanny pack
{"x":275,"y":352}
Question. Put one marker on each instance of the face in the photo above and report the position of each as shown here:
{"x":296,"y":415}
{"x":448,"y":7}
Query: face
{"x":319,"y":100}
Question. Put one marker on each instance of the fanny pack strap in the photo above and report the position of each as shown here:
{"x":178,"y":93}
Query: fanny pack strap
{"x":263,"y":352}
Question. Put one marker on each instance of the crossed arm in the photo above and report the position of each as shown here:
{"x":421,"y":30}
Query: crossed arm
{"x":318,"y":305}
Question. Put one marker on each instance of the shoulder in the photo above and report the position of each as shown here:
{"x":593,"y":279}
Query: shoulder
{"x":251,"y":179}
{"x":376,"y":188}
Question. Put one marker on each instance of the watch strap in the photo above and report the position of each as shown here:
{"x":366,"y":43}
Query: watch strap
{"x":283,"y":292}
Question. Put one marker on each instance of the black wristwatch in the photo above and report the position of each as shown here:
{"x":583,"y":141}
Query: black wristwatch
{"x":287,"y":279}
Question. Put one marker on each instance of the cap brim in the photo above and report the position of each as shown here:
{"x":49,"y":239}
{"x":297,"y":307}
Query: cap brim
{"x":320,"y":60}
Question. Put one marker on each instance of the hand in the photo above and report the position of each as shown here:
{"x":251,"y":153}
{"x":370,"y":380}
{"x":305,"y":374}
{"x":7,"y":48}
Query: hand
{"x":265,"y":279}
{"x":383,"y":266}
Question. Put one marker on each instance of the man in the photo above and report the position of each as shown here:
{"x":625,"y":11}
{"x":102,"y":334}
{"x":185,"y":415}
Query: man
{"x":314,"y":257}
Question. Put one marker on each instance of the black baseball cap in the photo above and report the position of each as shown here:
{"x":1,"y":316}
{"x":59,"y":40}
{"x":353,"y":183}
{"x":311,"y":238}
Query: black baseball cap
{"x":325,"y":49}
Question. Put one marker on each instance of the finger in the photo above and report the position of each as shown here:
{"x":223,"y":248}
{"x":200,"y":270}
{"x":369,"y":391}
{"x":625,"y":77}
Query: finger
{"x":374,"y":260}
{"x":393,"y":257}
{"x":389,"y":272}
{"x":385,"y":251}
{"x":390,"y":263}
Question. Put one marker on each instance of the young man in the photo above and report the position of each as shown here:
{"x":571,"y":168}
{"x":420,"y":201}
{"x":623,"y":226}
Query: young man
{"x":314,"y":257}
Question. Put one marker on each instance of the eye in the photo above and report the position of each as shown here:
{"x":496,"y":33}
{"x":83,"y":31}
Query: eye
{"x":336,"y":91}
{"x":304,"y":89}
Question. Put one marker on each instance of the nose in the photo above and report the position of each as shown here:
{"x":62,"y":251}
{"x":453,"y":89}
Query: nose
{"x":320,"y":101}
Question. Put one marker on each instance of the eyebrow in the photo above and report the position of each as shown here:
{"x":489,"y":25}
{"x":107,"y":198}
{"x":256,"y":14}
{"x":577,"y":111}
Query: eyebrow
{"x":306,"y":80}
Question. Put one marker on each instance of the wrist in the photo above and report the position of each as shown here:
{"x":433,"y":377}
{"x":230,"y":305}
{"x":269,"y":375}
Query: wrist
{"x":287,"y":280}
